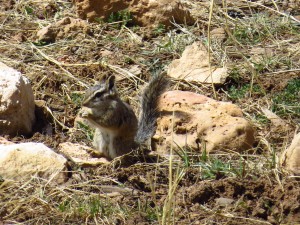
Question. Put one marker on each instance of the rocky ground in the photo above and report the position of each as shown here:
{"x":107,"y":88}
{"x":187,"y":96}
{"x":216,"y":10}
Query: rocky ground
{"x":259,"y":45}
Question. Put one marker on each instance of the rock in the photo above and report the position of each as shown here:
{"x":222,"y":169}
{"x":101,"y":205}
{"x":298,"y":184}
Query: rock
{"x":3,"y":141}
{"x":218,"y":34}
{"x":193,"y":66}
{"x":148,"y":13}
{"x":80,"y":154}
{"x":17,"y":103}
{"x":18,"y":38}
{"x":92,"y":9}
{"x":136,"y":70}
{"x":201,"y":123}
{"x":290,"y":158}
{"x":44,"y":118}
{"x":151,"y":13}
{"x":105,"y":53}
{"x":259,"y":51}
{"x":66,"y":27}
{"x":259,"y":54}
{"x":275,"y":120}
{"x":224,"y":201}
{"x":26,"y":160}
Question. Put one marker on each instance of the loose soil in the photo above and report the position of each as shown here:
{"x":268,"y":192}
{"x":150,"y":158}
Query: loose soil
{"x":259,"y":196}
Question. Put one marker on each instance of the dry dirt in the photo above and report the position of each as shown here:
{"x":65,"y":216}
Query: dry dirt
{"x":258,"y":197}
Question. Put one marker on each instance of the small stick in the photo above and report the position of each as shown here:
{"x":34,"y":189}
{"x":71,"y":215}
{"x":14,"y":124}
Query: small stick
{"x":60,"y":66}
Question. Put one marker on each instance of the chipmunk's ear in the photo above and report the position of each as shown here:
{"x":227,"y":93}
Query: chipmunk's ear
{"x":110,"y":83}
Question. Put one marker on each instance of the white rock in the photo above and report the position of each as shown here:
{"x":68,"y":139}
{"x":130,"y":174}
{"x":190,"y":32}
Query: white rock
{"x":80,"y":154}
{"x":194,"y":66}
{"x":16,"y":102}
{"x":4,"y":141}
{"x":25,"y":160}
{"x":290,"y":158}
{"x":224,"y":201}
{"x":198,"y":122}
{"x":275,"y":120}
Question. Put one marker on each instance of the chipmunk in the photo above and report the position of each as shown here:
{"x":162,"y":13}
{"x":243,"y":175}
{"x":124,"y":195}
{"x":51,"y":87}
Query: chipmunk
{"x":118,"y":131}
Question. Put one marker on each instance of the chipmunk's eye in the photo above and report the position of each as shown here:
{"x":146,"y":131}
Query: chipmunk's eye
{"x":98,"y":94}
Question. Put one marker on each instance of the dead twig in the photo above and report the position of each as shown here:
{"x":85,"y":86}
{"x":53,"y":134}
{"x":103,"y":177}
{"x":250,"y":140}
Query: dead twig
{"x":60,"y":65}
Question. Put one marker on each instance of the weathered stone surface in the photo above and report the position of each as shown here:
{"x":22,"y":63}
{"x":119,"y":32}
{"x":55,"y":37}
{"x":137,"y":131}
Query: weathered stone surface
{"x":80,"y":154}
{"x":16,"y":102}
{"x":201,"y":123}
{"x":44,"y":118}
{"x":3,"y":141}
{"x":25,"y":160}
{"x":290,"y":158}
{"x":91,"y":9}
{"x":224,"y":201}
{"x":218,"y":34}
{"x":194,"y":66}
{"x":151,"y":13}
{"x":148,"y":13}
{"x":275,"y":120}
{"x":64,"y":28}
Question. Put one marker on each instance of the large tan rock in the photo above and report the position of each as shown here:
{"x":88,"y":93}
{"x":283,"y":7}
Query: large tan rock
{"x":80,"y":154}
{"x":151,"y":13}
{"x":196,"y":121}
{"x":25,"y":160}
{"x":64,"y":28}
{"x":16,"y":102}
{"x":148,"y":13}
{"x":290,"y":158}
{"x":193,"y":66}
{"x":91,"y":9}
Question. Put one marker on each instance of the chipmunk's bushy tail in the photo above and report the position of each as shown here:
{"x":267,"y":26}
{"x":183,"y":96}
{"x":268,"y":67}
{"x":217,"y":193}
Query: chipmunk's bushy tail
{"x":149,"y":103}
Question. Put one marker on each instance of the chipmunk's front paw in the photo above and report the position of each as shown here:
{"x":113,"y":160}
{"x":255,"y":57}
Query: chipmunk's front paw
{"x":84,"y":112}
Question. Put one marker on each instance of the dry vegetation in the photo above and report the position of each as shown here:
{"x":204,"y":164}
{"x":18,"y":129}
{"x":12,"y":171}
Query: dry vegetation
{"x":262,"y":51}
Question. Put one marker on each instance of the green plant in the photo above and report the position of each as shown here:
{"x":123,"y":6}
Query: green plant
{"x":204,"y":155}
{"x":40,"y":43}
{"x":170,"y":203}
{"x":235,"y":75}
{"x":93,"y":206}
{"x":64,"y":206}
{"x":272,"y":63}
{"x":147,"y":210}
{"x":240,"y":169}
{"x":86,"y":130}
{"x":99,"y":20}
{"x":262,"y":27}
{"x":76,"y":98}
{"x":128,"y":60}
{"x":261,"y":119}
{"x":29,"y":10}
{"x":214,"y":169}
{"x":174,"y":42}
{"x":183,"y":154}
{"x":287,"y":101}
{"x":160,"y":29}
{"x":236,"y":92}
{"x":121,"y":18}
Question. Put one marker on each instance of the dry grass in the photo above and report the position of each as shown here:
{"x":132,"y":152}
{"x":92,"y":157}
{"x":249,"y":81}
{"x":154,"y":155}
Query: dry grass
{"x":262,"y":52}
